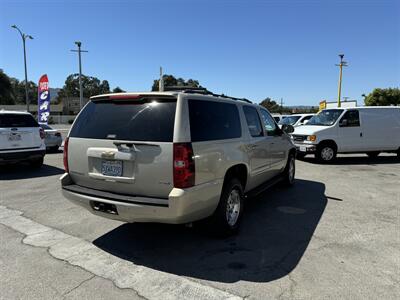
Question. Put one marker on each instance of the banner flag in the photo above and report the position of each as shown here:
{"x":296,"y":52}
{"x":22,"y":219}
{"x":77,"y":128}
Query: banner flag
{"x":43,"y":100}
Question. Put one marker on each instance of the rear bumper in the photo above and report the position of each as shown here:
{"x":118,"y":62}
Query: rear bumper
{"x":11,"y":157}
{"x":182,"y":205}
{"x":53,"y":142}
{"x":306,"y":148}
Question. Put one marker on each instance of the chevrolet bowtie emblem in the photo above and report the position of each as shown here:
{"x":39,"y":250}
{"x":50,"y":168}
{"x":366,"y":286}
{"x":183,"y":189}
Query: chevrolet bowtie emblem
{"x":108,"y":154}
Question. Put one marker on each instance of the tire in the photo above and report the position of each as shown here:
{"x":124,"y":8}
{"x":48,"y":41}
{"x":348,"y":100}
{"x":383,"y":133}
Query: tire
{"x":54,"y":149}
{"x":224,"y":222}
{"x":290,"y":171}
{"x":37,"y":163}
{"x":326,"y":153}
{"x":373,"y":154}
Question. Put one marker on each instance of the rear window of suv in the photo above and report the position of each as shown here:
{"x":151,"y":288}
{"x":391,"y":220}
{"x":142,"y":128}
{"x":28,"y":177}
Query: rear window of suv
{"x":17,"y":120}
{"x":211,"y":120}
{"x":132,"y":120}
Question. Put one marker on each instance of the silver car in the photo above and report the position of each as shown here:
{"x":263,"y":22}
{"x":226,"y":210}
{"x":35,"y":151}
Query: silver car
{"x":174,"y":157}
{"x":52,"y":137}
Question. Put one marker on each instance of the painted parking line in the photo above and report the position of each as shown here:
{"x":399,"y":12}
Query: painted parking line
{"x":148,"y":283}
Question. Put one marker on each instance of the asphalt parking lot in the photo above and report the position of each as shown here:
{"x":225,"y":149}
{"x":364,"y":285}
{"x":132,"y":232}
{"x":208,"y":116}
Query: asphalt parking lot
{"x":334,"y":235}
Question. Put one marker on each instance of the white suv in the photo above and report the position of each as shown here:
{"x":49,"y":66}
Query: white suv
{"x":21,"y":138}
{"x":174,"y":157}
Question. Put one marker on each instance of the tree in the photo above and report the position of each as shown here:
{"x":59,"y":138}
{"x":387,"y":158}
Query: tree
{"x":271,"y":105}
{"x":390,"y":96}
{"x":170,"y":80}
{"x":118,"y":90}
{"x":91,"y":86}
{"x":6,"y":89}
{"x":19,"y":91}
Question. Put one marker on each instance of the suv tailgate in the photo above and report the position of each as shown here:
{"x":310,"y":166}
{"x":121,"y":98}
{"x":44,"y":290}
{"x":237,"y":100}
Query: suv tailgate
{"x":18,"y":132}
{"x":124,"y":146}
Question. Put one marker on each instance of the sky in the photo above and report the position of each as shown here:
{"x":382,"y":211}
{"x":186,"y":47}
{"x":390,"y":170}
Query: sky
{"x":253,"y":49}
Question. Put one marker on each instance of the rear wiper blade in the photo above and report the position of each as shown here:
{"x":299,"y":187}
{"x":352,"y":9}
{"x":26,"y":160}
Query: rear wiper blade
{"x":132,"y":146}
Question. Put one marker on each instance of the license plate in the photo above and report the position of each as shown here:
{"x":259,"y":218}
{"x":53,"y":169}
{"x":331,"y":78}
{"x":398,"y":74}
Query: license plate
{"x":14,"y":137}
{"x":111,"y":168}
{"x":303,"y":148}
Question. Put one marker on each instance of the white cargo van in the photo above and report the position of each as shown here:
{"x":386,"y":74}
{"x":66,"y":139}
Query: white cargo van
{"x":370,"y":130}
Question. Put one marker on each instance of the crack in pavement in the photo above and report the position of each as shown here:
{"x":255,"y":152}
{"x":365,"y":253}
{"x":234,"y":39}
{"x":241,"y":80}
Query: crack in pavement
{"x":78,"y":286}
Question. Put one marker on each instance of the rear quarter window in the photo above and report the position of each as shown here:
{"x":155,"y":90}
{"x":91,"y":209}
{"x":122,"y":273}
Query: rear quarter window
{"x":17,"y":120}
{"x":144,"y":120}
{"x":210,"y":120}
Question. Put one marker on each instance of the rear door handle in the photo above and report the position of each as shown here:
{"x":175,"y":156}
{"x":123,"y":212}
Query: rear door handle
{"x":361,"y":134}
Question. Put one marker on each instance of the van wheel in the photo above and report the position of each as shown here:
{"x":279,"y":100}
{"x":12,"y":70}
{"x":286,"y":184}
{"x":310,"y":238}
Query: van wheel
{"x":373,"y":154}
{"x":326,"y":153}
{"x":36,"y":163}
{"x":226,"y":219}
{"x":290,"y":171}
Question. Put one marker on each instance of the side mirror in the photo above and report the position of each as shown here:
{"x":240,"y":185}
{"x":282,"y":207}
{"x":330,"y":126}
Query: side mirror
{"x":305,"y":122}
{"x":343,"y":123}
{"x":287,"y":128}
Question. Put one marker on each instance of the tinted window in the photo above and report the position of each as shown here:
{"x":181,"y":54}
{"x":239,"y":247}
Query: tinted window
{"x":269,"y":123}
{"x":211,"y":120}
{"x":144,"y":120}
{"x":352,"y":117}
{"x":17,"y":120}
{"x":253,"y":121}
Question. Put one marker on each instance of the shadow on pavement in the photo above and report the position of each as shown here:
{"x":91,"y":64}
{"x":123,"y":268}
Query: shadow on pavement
{"x":277,"y":227}
{"x":357,"y":160}
{"x":25,"y":171}
{"x":52,"y":151}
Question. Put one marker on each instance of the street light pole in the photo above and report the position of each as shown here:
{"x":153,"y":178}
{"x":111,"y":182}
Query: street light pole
{"x":341,"y":65}
{"x":79,"y":44}
{"x":24,"y":37}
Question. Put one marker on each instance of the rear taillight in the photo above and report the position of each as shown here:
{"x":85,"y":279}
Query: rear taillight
{"x":41,"y":131}
{"x":57,"y":134}
{"x":184,"y":169}
{"x":66,"y":155}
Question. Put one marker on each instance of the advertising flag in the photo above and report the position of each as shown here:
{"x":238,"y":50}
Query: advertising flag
{"x":43,"y":100}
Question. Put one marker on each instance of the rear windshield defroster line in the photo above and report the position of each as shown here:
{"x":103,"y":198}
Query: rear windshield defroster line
{"x":149,"y":119}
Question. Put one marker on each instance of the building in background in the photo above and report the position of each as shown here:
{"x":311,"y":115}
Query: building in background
{"x":71,"y":105}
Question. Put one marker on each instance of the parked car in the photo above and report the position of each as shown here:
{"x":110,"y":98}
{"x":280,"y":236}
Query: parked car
{"x":174,"y":157}
{"x":278,"y":117}
{"x":53,"y":139}
{"x":369,"y":130}
{"x":296,"y":119}
{"x":21,"y":138}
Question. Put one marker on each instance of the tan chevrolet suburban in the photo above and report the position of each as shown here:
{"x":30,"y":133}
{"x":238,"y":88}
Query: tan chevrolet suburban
{"x":174,"y":157}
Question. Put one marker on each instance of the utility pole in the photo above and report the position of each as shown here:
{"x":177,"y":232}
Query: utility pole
{"x":24,"y":37}
{"x":281,"y":105}
{"x":341,"y":65}
{"x":80,"y":73}
{"x":161,"y":81}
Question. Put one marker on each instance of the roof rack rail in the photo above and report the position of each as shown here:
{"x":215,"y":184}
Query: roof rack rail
{"x":203,"y":91}
{"x":187,"y":89}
